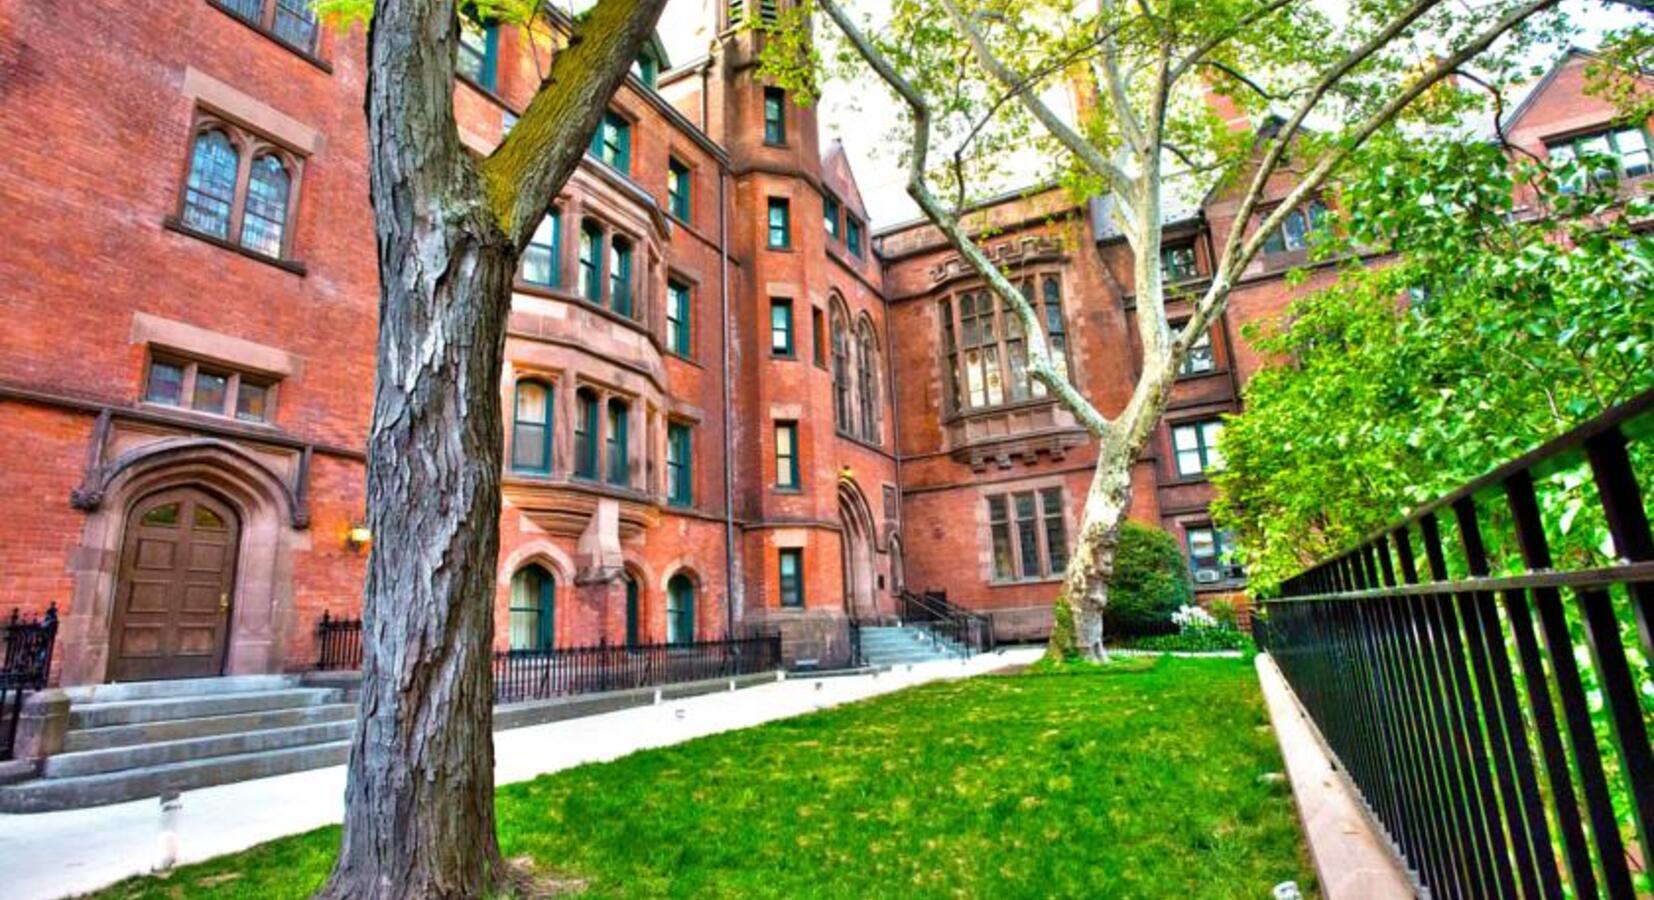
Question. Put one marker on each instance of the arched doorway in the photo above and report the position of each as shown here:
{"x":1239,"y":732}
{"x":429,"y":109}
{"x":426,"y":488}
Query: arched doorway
{"x":533,"y":608}
{"x":680,"y":610}
{"x":632,"y":611}
{"x":856,"y":553}
{"x":173,"y":591}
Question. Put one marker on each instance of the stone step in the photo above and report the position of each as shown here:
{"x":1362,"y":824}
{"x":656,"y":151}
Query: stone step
{"x":124,"y":692}
{"x":115,"y":759}
{"x":206,"y":726}
{"x":101,"y":715}
{"x":906,"y":657}
{"x":52,"y":794}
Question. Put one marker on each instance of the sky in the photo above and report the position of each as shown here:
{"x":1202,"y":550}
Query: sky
{"x":862,"y":113}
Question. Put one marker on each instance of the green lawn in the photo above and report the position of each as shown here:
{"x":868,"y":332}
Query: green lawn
{"x":1137,"y":783}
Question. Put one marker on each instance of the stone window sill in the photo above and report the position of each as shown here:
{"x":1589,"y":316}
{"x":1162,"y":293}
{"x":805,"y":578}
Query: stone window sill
{"x":172,"y":223}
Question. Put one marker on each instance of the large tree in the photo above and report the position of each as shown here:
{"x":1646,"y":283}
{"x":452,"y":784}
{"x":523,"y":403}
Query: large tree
{"x":419,"y":818}
{"x":973,"y":78}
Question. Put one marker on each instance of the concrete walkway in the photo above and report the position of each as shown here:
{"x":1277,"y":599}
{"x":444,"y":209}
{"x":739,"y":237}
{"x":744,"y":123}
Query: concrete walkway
{"x":65,"y":853}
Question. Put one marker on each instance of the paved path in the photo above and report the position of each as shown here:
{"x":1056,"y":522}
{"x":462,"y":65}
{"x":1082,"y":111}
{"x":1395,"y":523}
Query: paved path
{"x":63,"y":853}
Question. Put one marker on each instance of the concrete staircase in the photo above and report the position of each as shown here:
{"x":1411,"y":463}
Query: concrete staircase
{"x":895,"y":645}
{"x":131,"y":741}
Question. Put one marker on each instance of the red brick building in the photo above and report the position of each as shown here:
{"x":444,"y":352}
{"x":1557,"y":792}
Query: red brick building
{"x":730,"y":406}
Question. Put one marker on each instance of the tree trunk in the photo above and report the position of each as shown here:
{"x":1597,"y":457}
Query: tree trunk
{"x":419,"y":818}
{"x":1084,"y":593}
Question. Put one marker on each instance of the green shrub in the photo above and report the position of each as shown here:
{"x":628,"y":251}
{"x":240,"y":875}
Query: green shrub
{"x":1225,"y":612}
{"x":1193,"y":640}
{"x":1150,"y":582}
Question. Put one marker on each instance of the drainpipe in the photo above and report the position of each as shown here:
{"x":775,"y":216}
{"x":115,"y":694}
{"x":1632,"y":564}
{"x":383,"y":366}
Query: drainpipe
{"x":729,"y":438}
{"x":895,"y":421}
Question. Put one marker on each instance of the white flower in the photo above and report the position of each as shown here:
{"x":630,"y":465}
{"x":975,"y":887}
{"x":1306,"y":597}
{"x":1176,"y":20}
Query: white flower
{"x":1192,"y":617}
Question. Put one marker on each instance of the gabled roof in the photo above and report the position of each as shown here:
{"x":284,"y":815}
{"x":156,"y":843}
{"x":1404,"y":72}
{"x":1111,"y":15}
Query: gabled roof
{"x":1533,"y":89}
{"x":841,"y":178}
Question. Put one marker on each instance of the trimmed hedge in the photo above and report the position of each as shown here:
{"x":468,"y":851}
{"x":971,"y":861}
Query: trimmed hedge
{"x":1151,"y":581}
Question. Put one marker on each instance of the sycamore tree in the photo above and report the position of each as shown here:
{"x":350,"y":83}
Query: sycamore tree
{"x":975,"y":78}
{"x":419,"y":817}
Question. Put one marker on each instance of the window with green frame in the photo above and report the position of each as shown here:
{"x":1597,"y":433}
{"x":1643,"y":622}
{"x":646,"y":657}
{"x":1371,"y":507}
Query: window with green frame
{"x":620,"y":276}
{"x":620,"y":472}
{"x":791,"y":567}
{"x":775,"y":116}
{"x":786,"y":456}
{"x":680,"y":465}
{"x":680,"y":610}
{"x":852,"y":235}
{"x":677,"y":318}
{"x":531,"y":427}
{"x":591,"y":261}
{"x":533,"y":609}
{"x":830,"y":214}
{"x":781,"y":327}
{"x":780,"y":224}
{"x":1196,"y":447}
{"x":540,"y":257}
{"x":477,"y":56}
{"x":612,"y":142}
{"x":585,"y":433}
{"x":677,"y":188}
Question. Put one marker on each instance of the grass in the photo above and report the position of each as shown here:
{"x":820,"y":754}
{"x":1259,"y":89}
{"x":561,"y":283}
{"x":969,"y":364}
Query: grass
{"x":1140,"y":780}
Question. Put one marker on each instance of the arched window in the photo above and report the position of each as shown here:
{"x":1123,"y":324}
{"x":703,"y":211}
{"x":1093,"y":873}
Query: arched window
{"x":633,"y":611}
{"x":680,"y":610}
{"x":585,"y":433}
{"x":619,"y":467}
{"x":211,"y":189}
{"x":841,"y":370}
{"x":620,"y":276}
{"x":867,"y":382}
{"x":531,"y":428}
{"x":533,"y":608}
{"x":266,"y":216}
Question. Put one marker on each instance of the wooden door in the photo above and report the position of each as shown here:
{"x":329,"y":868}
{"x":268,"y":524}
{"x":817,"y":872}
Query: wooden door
{"x":172,"y":599}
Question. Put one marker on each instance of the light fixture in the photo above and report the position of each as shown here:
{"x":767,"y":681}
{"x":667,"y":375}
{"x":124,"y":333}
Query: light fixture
{"x":358,"y":536}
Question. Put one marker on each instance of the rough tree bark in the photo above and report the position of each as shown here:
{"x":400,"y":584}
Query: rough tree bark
{"x":419,"y":818}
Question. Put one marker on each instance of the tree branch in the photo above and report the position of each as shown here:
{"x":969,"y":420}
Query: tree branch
{"x":549,"y":140}
{"x":1198,"y":55}
{"x":1040,"y":363}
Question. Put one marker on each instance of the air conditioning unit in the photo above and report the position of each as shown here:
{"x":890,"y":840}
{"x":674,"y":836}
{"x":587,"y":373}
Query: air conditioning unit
{"x":1208,"y":576}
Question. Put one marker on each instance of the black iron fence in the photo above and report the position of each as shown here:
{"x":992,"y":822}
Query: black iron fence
{"x":27,"y":663}
{"x":1492,"y":706}
{"x":970,"y":632}
{"x":564,"y":671}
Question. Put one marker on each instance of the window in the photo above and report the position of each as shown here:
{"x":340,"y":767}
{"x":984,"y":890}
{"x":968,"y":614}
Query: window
{"x":292,"y":22}
{"x":818,"y":335}
{"x":867,"y":383}
{"x":1178,"y":261}
{"x":786,"y":455}
{"x":830,"y":215}
{"x":677,"y":318}
{"x":780,"y":224}
{"x":841,"y":371}
{"x":985,"y":349}
{"x":591,"y":263}
{"x":781,"y":327}
{"x":585,"y":434}
{"x":680,"y":467}
{"x":1626,"y":147}
{"x":1028,"y":533}
{"x":241,"y":186}
{"x":619,"y":461}
{"x":1199,"y":359}
{"x":540,"y":257}
{"x":612,"y":142}
{"x":633,"y":590}
{"x":792,"y":576}
{"x":852,"y":235}
{"x":1211,"y":555}
{"x":531,"y":427}
{"x":508,"y":121}
{"x":775,"y":116}
{"x":533,"y":607}
{"x":208,"y":388}
{"x":1196,"y":446}
{"x":620,"y":276}
{"x":1295,"y":229}
{"x":677,"y":188}
{"x":478,"y":52}
{"x":647,"y":69}
{"x":680,"y":610}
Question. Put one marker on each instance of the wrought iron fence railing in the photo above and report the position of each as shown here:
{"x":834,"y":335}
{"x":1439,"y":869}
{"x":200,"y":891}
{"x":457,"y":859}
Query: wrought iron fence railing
{"x":521,"y":675}
{"x":967,"y":631}
{"x":26,"y":666}
{"x":1493,"y":708}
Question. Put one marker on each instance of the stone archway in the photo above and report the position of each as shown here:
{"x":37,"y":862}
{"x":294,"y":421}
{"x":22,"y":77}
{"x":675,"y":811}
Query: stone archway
{"x":856,"y":546}
{"x":261,"y":613}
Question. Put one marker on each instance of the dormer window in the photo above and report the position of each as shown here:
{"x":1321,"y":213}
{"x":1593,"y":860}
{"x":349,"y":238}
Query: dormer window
{"x":1295,"y":229}
{"x":1177,"y":261}
{"x":1627,"y":148}
{"x":612,"y":142}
